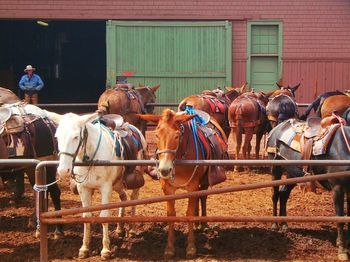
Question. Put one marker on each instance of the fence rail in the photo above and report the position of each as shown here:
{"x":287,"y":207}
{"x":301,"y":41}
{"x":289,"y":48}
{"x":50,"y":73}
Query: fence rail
{"x":52,"y":217}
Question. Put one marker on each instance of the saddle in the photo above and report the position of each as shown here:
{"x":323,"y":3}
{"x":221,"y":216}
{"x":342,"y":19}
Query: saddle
{"x":127,"y":143}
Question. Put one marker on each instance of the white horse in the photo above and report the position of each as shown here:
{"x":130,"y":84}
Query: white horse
{"x":80,"y":139}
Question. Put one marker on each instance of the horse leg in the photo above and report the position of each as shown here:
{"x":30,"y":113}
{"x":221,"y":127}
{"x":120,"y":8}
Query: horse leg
{"x":120,"y":230}
{"x":85,"y":196}
{"x":55,"y":194}
{"x":348,"y":224}
{"x":338,"y":200}
{"x":191,"y":247}
{"x":284,"y":195}
{"x":237,"y":137}
{"x":249,"y":131}
{"x":106,"y":192}
{"x":276,"y":175}
{"x":134,"y":196}
{"x":170,"y":248}
{"x":19,"y":188}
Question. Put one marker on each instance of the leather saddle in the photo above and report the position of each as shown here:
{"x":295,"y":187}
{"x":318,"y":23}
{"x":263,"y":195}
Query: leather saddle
{"x":9,"y":122}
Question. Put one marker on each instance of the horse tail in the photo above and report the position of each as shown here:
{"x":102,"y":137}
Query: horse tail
{"x":103,"y":107}
{"x":314,"y":105}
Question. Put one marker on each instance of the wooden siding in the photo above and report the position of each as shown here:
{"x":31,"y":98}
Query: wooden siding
{"x":316,"y":33}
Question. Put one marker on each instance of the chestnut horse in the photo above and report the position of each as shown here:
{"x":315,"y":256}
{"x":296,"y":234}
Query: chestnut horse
{"x":318,"y":102}
{"x":127,"y":101}
{"x":337,"y":103}
{"x":175,"y":135}
{"x":210,"y":101}
{"x":247,"y":115}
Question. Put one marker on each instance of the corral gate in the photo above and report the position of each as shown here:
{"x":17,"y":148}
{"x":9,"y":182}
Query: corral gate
{"x":183,"y":57}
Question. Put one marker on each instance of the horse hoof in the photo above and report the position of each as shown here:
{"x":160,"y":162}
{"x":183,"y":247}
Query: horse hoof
{"x":121,"y":233}
{"x":343,"y":256}
{"x":191,"y":252}
{"x":284,"y":228}
{"x":275,"y":226}
{"x":58,"y":235}
{"x":83,"y":253}
{"x":37,"y":233}
{"x":106,"y":255}
{"x":169,"y":253}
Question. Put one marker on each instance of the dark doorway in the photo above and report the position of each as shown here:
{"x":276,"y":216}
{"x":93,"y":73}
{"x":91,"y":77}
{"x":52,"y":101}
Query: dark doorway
{"x":70,"y":57}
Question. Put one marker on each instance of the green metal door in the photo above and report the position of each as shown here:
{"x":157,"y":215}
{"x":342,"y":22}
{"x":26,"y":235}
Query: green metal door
{"x":264,"y":55}
{"x":183,"y":57}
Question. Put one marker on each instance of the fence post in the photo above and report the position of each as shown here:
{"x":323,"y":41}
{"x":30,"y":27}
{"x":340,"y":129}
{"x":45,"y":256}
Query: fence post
{"x":41,"y":206}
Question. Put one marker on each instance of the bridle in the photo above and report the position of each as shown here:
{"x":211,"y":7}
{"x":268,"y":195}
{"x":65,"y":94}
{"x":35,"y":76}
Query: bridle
{"x":82,"y":143}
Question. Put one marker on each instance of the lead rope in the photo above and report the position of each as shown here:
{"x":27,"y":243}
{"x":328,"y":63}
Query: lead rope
{"x":342,"y":121}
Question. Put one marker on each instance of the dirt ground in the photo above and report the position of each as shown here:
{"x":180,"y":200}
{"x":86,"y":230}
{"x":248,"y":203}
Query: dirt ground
{"x":221,"y":242}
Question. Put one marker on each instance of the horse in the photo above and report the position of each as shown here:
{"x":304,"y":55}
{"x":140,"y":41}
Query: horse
{"x":7,"y":96}
{"x":283,"y":144}
{"x":175,"y":134}
{"x":247,"y":115}
{"x":215,"y":103}
{"x":281,"y":108}
{"x":287,"y":90}
{"x":127,"y":101}
{"x":29,"y":136}
{"x":79,"y":138}
{"x":336,"y":103}
{"x":318,"y":102}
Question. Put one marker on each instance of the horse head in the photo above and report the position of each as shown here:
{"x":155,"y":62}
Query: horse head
{"x":169,"y":137}
{"x":148,"y":95}
{"x":71,"y":134}
{"x":286,"y":90}
{"x":234,"y":92}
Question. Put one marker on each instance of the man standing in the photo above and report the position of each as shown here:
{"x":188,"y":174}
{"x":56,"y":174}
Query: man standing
{"x":31,"y":84}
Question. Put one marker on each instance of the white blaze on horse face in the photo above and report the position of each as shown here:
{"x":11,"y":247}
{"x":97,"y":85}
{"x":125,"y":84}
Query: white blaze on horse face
{"x":68,"y":137}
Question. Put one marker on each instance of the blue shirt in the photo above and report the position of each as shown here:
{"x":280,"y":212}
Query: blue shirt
{"x":33,"y":84}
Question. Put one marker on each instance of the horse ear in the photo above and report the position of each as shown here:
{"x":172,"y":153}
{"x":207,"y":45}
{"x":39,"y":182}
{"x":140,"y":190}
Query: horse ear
{"x":150,"y":118}
{"x":183,"y":118}
{"x":268,"y":94}
{"x":56,"y":118}
{"x":295,"y":87}
{"x":88,"y":118}
{"x":155,"y":88}
{"x":243,"y":88}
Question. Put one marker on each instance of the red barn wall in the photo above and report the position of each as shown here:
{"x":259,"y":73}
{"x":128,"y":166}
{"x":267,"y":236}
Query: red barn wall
{"x":316,"y":33}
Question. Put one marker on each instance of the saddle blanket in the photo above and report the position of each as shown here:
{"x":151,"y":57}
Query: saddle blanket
{"x":216,"y":105}
{"x":320,"y":145}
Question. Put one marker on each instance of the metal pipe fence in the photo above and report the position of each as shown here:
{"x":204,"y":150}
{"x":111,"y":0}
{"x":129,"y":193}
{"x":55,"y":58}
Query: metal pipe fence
{"x":55,"y":216}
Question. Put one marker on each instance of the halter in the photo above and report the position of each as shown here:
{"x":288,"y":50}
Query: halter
{"x":82,"y":142}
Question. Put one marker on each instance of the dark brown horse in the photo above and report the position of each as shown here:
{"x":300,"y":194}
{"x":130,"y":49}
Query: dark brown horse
{"x":30,"y":136}
{"x":282,"y":145}
{"x":215,"y":103}
{"x":175,"y":135}
{"x":247,"y":115}
{"x":127,"y":101}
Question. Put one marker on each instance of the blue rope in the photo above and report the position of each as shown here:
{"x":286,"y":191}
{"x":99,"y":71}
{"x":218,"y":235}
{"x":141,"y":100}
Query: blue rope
{"x":198,"y":119}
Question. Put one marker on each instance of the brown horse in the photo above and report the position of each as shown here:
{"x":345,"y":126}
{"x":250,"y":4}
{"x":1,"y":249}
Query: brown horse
{"x":127,"y":101}
{"x":175,"y":136}
{"x":247,"y":115}
{"x":215,"y":103}
{"x":337,"y":103}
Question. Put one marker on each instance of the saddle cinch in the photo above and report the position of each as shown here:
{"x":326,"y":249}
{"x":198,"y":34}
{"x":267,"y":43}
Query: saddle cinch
{"x":126,"y":136}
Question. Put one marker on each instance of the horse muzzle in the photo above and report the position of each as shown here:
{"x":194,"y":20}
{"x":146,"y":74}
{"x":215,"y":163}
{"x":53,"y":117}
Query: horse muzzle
{"x":165,"y":169}
{"x":64,"y":172}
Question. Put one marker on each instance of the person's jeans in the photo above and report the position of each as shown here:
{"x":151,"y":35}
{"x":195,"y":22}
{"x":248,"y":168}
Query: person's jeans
{"x":31,"y":97}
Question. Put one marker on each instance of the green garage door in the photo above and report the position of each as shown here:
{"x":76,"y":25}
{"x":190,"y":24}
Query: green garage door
{"x":264,"y":55}
{"x":183,"y":57}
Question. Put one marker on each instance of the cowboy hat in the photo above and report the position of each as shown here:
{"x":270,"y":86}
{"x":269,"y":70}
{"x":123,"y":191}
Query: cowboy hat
{"x":29,"y":68}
